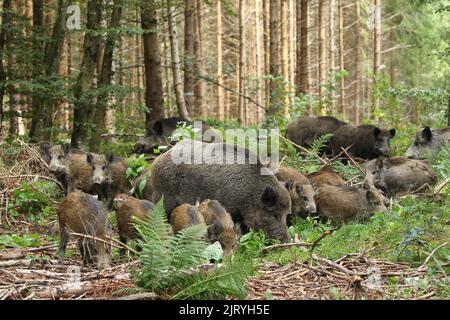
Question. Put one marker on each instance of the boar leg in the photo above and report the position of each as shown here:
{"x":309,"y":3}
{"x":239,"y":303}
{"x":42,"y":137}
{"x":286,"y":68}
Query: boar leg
{"x":63,"y":243}
{"x":124,"y":241}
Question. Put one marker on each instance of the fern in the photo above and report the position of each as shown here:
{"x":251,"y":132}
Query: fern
{"x":171,"y":264}
{"x":320,"y":143}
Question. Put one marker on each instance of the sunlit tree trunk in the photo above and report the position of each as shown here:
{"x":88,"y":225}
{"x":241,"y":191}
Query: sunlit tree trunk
{"x":5,"y":21}
{"x":199,"y":88}
{"x":357,"y":63}
{"x":241,"y":64}
{"x":274,"y":64}
{"x":303,"y":55}
{"x":219,"y":60}
{"x":376,"y":56}
{"x":189,"y":55}
{"x":342,"y":100}
{"x":322,"y":50}
{"x":176,"y":71}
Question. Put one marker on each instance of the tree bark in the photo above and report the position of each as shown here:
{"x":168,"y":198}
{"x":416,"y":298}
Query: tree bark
{"x":357,"y":63}
{"x":376,"y":56}
{"x":303,"y":55}
{"x":189,"y":55}
{"x":219,"y":60}
{"x":154,"y":98}
{"x":105,"y":77}
{"x":342,"y":100}
{"x":274,"y":64}
{"x":176,"y":71}
{"x":199,"y":88}
{"x":241,"y":65}
{"x":83,"y":105}
{"x":3,"y":27}
{"x":258,"y":52}
{"x":322,"y":51}
{"x":284,"y":50}
{"x":448,"y":112}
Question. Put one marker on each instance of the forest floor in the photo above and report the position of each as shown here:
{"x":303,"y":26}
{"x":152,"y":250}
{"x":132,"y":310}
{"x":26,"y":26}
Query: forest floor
{"x":404,"y":254}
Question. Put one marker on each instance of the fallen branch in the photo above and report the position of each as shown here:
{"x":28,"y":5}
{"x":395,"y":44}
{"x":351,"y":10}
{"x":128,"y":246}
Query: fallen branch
{"x":285,"y":245}
{"x":353,"y":161}
{"x":113,"y":242}
{"x":139,"y":296}
{"x":336,"y":266}
{"x":67,"y":289}
{"x":424,"y":264}
{"x":322,"y":236}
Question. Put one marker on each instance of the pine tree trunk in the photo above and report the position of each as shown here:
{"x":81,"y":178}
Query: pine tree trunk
{"x":105,"y":78}
{"x":376,"y":56}
{"x":266,"y":40}
{"x":357,"y":110}
{"x":219,"y":60}
{"x":83,"y":105}
{"x":258,"y":52}
{"x":189,"y":55}
{"x":303,"y":55}
{"x":274,"y":64}
{"x":331,"y":53}
{"x":448,"y":112}
{"x":284,"y":50}
{"x":342,"y":104}
{"x":241,"y":65}
{"x":5,"y":21}
{"x":322,"y":51}
{"x":199,"y":88}
{"x":154,"y":97}
{"x":176,"y":71}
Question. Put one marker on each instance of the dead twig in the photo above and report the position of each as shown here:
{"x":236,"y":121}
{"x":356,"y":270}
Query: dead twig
{"x":353,"y":161}
{"x":424,"y":264}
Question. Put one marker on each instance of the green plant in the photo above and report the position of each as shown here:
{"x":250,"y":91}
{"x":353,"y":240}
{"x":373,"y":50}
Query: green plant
{"x":136,"y":164}
{"x":172,"y":265}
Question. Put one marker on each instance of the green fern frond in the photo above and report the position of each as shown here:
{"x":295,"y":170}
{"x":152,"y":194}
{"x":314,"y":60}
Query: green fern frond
{"x":321,"y":142}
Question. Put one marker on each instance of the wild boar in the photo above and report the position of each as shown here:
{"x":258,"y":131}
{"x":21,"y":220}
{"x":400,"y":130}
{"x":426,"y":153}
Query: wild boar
{"x":220,"y":225}
{"x":366,"y":141}
{"x":258,"y":201}
{"x":346,"y":203}
{"x":428,"y":142}
{"x":399,"y":174}
{"x":70,"y":169}
{"x":108,"y":176}
{"x":82,"y":213}
{"x":300,"y":190}
{"x":184,"y":216}
{"x":327,"y":175}
{"x":305,"y":130}
{"x":130,"y":208}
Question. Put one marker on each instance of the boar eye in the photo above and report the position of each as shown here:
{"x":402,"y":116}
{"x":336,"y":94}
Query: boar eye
{"x":104,"y":168}
{"x":60,"y":157}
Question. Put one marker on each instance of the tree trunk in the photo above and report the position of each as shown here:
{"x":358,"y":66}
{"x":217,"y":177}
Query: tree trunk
{"x":3,"y":31}
{"x":258,"y":53}
{"x":266,"y":40}
{"x":105,"y":77}
{"x":219,"y":60}
{"x":342,"y":104}
{"x":357,"y":63}
{"x":331,"y":53}
{"x":83,"y":105}
{"x":376,"y":57}
{"x":322,"y":51}
{"x":241,"y":65}
{"x":274,"y":64}
{"x":154,"y":97}
{"x":199,"y":88}
{"x":284,"y":50}
{"x":176,"y":71}
{"x":303,"y":55}
{"x":448,"y":112}
{"x":189,"y":55}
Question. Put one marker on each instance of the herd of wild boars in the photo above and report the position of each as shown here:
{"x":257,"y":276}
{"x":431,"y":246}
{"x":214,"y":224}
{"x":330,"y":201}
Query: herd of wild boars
{"x":230,"y":199}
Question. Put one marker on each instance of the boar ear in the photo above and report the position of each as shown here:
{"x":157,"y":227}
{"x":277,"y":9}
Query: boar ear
{"x":269,"y":197}
{"x":426,"y":133}
{"x":376,"y":132}
{"x":392,"y":132}
{"x":89,"y":158}
{"x":110,"y":157}
{"x":379,"y":163}
{"x":157,"y":128}
{"x":288,"y":185}
{"x":66,"y":148}
{"x":370,"y":196}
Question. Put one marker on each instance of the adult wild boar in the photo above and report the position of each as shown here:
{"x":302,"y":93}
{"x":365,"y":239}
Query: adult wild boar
{"x":304,"y":131}
{"x":428,"y":142}
{"x":108,"y":176}
{"x":70,"y":169}
{"x":345,"y":203}
{"x":399,"y":174}
{"x":256,"y":201}
{"x":82,"y":213}
{"x":366,"y":141}
{"x":300,"y":190}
